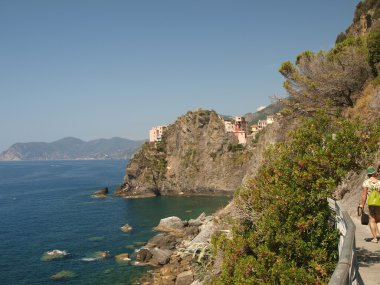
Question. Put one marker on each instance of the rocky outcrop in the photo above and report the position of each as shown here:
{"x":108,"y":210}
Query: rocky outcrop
{"x":126,"y":228}
{"x":101,"y":193}
{"x":176,"y":257}
{"x":123,"y":258}
{"x":196,"y":156}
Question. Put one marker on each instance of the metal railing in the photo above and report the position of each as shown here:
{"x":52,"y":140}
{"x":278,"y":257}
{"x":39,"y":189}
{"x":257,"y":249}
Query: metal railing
{"x":346,"y":272}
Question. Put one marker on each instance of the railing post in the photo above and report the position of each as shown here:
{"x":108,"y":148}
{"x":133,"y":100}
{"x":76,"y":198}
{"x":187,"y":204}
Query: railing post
{"x":346,"y":272}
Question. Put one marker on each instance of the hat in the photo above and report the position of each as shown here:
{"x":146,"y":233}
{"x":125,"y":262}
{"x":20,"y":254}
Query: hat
{"x":371,"y":170}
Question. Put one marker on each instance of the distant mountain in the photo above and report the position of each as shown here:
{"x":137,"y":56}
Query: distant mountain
{"x":72,"y":148}
{"x":253,"y":118}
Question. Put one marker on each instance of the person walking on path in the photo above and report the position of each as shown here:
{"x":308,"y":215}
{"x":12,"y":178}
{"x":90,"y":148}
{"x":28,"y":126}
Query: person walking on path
{"x":371,"y":190}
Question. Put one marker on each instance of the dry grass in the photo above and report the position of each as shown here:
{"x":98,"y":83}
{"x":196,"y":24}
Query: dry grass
{"x":367,"y":106}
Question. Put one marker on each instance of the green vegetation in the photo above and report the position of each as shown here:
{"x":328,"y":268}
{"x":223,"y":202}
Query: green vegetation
{"x":153,"y":157}
{"x":235,"y":147}
{"x":286,"y":234}
{"x":333,"y":78}
{"x":373,"y":43}
{"x":376,"y":81}
{"x":340,"y":38}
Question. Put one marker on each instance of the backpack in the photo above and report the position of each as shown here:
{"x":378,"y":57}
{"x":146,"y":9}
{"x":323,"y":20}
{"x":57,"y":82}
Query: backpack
{"x":374,"y":197}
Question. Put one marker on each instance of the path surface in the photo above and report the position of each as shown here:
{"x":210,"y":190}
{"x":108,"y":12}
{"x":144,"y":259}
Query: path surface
{"x":368,"y":254}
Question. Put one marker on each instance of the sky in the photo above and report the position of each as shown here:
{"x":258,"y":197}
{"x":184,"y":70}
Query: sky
{"x":104,"y":68}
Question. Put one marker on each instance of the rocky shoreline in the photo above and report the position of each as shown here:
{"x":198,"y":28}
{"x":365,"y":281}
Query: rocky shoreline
{"x":180,"y":251}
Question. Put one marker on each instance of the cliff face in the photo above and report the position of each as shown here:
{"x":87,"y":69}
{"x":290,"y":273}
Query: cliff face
{"x":196,"y":155}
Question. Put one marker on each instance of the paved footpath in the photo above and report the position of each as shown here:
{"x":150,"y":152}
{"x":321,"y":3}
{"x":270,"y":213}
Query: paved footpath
{"x":368,"y":254}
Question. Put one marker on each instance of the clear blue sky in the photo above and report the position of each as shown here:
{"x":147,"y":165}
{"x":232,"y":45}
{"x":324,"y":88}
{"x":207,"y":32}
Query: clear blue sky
{"x":104,"y":68}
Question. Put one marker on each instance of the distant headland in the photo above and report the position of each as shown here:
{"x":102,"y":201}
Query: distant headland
{"x":71,"y":148}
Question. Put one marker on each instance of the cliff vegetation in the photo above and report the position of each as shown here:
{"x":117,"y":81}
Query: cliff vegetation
{"x":195,"y":156}
{"x":282,"y":230}
{"x":279,"y":229}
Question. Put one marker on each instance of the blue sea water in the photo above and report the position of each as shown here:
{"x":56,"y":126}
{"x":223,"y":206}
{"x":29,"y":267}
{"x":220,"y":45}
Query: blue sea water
{"x":46,"y":205}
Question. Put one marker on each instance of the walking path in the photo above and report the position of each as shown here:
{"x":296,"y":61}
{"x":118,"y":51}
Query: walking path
{"x":368,"y":254}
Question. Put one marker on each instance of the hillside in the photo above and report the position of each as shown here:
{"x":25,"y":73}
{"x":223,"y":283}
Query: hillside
{"x":72,"y":148}
{"x":196,"y":156}
{"x":279,"y":228}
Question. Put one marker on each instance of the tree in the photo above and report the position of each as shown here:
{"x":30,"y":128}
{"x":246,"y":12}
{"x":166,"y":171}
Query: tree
{"x":325,"y":78}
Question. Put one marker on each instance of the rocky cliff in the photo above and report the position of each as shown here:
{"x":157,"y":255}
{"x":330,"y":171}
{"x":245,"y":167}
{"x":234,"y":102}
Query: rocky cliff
{"x":196,"y":156}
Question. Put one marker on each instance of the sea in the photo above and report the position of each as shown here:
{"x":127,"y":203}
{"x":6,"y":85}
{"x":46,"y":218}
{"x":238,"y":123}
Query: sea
{"x":47,"y":205}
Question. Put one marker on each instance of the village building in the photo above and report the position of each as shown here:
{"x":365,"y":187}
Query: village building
{"x":155,"y":133}
{"x":228,"y":126}
{"x":254,"y":130}
{"x":270,"y":120}
{"x":261,"y":124}
{"x":238,"y":126}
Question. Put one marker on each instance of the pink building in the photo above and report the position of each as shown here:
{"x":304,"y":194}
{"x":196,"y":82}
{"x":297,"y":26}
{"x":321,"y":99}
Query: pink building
{"x":239,"y":127}
{"x":155,"y":133}
{"x":240,"y":124}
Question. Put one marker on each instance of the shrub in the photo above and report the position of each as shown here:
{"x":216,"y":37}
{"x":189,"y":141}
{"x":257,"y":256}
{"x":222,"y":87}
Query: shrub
{"x":235,"y":147}
{"x":292,"y":239}
{"x":373,"y":43}
{"x":340,"y":38}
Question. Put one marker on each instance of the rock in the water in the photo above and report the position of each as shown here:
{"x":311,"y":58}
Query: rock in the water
{"x":123,"y":257}
{"x":143,"y":255}
{"x":185,"y":278}
{"x":101,"y":193}
{"x":160,"y":256}
{"x":64,"y":274}
{"x":98,"y":255}
{"x":54,"y":254}
{"x":171,"y":224}
{"x":126,"y":228}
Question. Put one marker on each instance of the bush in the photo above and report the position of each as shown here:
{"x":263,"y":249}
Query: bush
{"x":235,"y":147}
{"x":292,"y":239}
{"x":373,"y":43}
{"x":340,"y":38}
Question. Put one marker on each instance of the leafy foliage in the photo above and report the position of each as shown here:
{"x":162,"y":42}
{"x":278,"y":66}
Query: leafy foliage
{"x":291,"y":239}
{"x":373,"y":43}
{"x":235,"y":147}
{"x":153,"y":157}
{"x":332,"y":78}
{"x":340,"y":38}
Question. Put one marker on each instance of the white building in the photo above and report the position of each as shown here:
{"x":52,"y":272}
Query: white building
{"x":270,"y":120}
{"x":261,"y":124}
{"x":229,"y":126}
